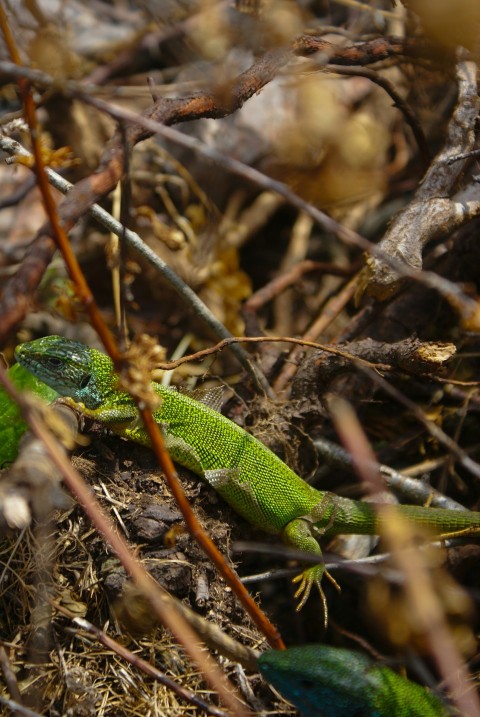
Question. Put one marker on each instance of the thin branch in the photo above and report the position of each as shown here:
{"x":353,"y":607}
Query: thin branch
{"x":398,"y":102}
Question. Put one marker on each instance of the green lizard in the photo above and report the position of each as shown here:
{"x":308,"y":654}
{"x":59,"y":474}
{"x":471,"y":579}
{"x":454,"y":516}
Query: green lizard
{"x":252,"y":479}
{"x":12,"y":425}
{"x":326,"y":681}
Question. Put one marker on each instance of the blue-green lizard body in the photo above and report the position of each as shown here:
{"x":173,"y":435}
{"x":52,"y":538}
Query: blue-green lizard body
{"x":252,"y":479}
{"x":324,"y":681}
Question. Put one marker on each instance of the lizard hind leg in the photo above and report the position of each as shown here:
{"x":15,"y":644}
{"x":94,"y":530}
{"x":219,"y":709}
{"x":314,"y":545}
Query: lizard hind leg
{"x":298,"y":534}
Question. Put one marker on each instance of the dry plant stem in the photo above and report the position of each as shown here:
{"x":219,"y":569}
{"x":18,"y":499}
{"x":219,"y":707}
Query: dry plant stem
{"x":365,"y":53}
{"x":427,"y":611}
{"x":432,"y":213}
{"x":41,"y":616}
{"x":461,"y":415}
{"x":329,"y":312}
{"x":161,"y":602}
{"x":296,"y":251}
{"x":18,"y":709}
{"x":168,"y":366}
{"x":9,"y":676}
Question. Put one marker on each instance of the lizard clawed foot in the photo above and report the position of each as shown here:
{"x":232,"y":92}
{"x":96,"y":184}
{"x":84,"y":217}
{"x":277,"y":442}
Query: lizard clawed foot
{"x":308,"y":578}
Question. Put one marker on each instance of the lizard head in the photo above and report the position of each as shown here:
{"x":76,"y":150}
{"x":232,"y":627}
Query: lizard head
{"x":69,"y":367}
{"x":323,"y":680}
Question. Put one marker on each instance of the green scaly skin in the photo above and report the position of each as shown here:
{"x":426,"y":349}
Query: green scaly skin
{"x":333,"y":682}
{"x":12,"y":425}
{"x":252,"y":479}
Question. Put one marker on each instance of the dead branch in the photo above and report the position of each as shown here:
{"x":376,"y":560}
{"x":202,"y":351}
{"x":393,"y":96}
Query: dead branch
{"x":432,"y":213}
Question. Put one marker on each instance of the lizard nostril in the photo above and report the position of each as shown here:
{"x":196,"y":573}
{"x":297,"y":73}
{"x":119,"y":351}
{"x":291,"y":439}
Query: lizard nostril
{"x":85,"y":381}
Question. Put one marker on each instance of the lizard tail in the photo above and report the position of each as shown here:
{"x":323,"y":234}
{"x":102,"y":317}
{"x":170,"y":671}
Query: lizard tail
{"x":362,"y":518}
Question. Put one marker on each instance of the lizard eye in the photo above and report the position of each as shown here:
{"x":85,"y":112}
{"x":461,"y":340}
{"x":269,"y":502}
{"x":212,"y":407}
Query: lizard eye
{"x":54,"y":362}
{"x":85,"y":381}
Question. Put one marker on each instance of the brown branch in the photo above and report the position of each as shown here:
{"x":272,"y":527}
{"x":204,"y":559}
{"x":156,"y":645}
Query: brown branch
{"x":282,"y":282}
{"x":366,"y":53}
{"x":170,"y":365}
{"x":433,"y":211}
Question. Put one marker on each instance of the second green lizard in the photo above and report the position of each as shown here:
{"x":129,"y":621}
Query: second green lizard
{"x":327,"y":681}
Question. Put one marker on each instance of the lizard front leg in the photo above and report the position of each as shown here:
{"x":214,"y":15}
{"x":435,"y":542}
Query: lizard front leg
{"x":122,"y":418}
